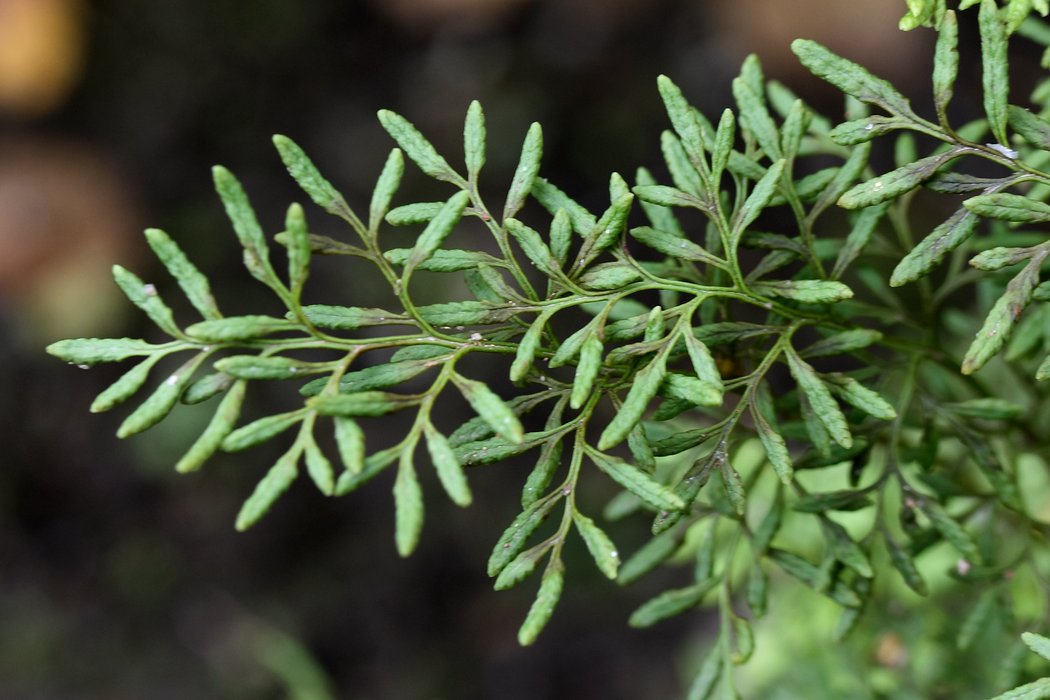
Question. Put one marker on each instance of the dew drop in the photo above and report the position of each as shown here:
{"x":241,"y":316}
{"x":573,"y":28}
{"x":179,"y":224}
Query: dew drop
{"x":476,"y":336}
{"x":83,"y":366}
{"x":149,"y":290}
{"x":869,"y":126}
{"x":172,"y":380}
{"x":877,"y":186}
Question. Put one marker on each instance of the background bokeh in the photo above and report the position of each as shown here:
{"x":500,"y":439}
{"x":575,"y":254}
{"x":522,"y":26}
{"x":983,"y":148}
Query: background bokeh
{"x":119,"y":579}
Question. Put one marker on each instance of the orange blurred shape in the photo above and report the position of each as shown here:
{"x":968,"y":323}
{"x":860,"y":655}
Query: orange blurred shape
{"x":65,"y":217}
{"x":41,"y":54}
{"x":865,"y":32}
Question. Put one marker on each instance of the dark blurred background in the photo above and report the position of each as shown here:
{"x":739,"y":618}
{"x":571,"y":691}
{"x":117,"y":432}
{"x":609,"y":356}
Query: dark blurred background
{"x":119,"y":579}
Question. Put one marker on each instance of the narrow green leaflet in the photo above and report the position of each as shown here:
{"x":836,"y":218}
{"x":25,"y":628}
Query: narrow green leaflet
{"x":820,"y":399}
{"x":1037,"y":643}
{"x":995,"y":77}
{"x":145,"y":297}
{"x":491,"y":407}
{"x":543,"y":607}
{"x":795,"y":126}
{"x":235,"y":328}
{"x":416,"y":147}
{"x":221,"y":425}
{"x":587,"y":368}
{"x":474,"y":140}
{"x":449,"y":470}
{"x":467,"y":313}
{"x":703,"y":362}
{"x":723,"y":147}
{"x":444,"y":259}
{"x":1043,"y":373}
{"x":683,"y":118}
{"x":437,"y":230}
{"x":162,"y":400}
{"x":261,"y":430}
{"x":845,"y":549}
{"x":513,"y":539}
{"x":318,"y":467}
{"x":671,"y":603}
{"x":245,"y":225}
{"x":269,"y":367}
{"x":306,"y":174}
{"x":646,"y":383}
{"x":1001,"y":318}
{"x":997,"y":258}
{"x":893,"y":184}
{"x":768,"y":526}
{"x":522,"y":566}
{"x":978,"y":620}
{"x":637,"y":482}
{"x":989,"y":408}
{"x":755,"y":117}
{"x":776,"y":448}
{"x":703,"y":685}
{"x":269,"y":489}
{"x":945,"y":64}
{"x":683,"y":174}
{"x":758,"y":199}
{"x":194,"y":284}
{"x":598,"y":544}
{"x":92,"y":351}
{"x":122,"y":389}
{"x":537,"y":251}
{"x":649,"y":556}
{"x":858,"y":131}
{"x":842,"y":343}
{"x":814,"y":577}
{"x":609,"y":276}
{"x":525,"y":355}
{"x":665,"y":196}
{"x":851,"y":78}
{"x":673,"y":245}
{"x":1036,"y":690}
{"x":606,"y":232}
{"x":856,"y":394}
{"x":951,"y":530}
{"x":561,"y":236}
{"x":528,"y":168}
{"x":415,"y":213}
{"x":1032,"y":128}
{"x":734,"y":486}
{"x":905,"y":565}
{"x":932,"y":250}
{"x":806,"y":291}
{"x":553,"y":199}
{"x":387,"y":184}
{"x":542,"y":472}
{"x":408,"y":504}
{"x":1009,"y":207}
{"x":350,"y":441}
{"x":349,"y":317}
{"x":361,"y":403}
{"x":859,"y":236}
{"x":832,"y":500}
{"x":298,"y":241}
